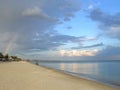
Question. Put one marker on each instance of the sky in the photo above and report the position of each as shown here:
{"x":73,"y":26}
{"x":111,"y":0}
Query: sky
{"x":60,"y":29}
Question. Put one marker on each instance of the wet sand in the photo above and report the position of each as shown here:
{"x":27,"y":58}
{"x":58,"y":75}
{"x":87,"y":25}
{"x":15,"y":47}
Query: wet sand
{"x":26,"y":76}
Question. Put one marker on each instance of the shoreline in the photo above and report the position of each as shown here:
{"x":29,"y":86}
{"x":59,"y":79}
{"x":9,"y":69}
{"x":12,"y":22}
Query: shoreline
{"x":81,"y":77}
{"x":27,"y":76}
{"x":76,"y":76}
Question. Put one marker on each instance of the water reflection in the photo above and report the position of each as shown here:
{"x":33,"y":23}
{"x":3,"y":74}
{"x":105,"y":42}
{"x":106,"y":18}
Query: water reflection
{"x":62,"y":66}
{"x":75,"y":67}
{"x":80,"y":68}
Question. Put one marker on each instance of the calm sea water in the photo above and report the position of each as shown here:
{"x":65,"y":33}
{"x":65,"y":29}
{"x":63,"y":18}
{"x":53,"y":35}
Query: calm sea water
{"x":105,"y":72}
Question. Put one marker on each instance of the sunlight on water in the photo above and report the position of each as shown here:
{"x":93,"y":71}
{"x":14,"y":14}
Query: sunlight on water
{"x":82,"y":68}
{"x":75,"y":67}
{"x":62,"y":66}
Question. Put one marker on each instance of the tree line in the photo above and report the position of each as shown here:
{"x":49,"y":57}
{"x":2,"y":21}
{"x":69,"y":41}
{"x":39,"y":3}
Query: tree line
{"x":8,"y":58}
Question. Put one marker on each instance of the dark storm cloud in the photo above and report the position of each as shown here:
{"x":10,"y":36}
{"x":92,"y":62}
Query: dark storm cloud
{"x":108,"y":23}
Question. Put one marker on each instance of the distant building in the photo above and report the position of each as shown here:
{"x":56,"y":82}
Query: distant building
{"x":10,"y":58}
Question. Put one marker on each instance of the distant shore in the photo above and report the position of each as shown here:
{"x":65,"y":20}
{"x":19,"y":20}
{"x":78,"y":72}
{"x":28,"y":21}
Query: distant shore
{"x":26,"y":76}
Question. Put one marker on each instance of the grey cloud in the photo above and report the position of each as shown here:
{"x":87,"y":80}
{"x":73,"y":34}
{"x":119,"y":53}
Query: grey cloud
{"x":71,"y":4}
{"x":27,"y":17}
{"x":69,"y":27}
{"x":37,"y":12}
{"x":88,"y":38}
{"x":68,"y":16}
{"x":52,"y":42}
{"x":91,"y":46}
{"x":109,"y":53}
{"x":63,"y":38}
{"x":108,"y":23}
{"x":105,"y":19}
{"x":95,"y":45}
{"x":67,"y":19}
{"x":60,"y":8}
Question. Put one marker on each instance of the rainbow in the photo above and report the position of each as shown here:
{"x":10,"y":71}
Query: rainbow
{"x":9,"y":44}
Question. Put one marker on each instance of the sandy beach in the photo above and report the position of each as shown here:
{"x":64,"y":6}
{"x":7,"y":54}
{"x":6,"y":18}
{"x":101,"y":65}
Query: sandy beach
{"x":26,"y":76}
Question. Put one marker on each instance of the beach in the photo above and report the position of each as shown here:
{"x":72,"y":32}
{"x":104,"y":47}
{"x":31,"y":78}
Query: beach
{"x":26,"y":76}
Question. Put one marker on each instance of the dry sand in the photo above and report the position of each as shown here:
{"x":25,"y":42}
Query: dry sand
{"x":26,"y":76}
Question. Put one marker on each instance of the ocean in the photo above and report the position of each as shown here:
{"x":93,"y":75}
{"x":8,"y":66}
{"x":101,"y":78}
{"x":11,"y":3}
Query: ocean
{"x":106,"y":72}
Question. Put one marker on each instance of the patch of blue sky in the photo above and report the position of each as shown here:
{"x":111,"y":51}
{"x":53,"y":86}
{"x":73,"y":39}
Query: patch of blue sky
{"x":80,"y":25}
{"x":106,"y":5}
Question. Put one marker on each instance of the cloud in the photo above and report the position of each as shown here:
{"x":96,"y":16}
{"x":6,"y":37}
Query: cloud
{"x":37,"y":12}
{"x":91,"y":6}
{"x":67,"y":19}
{"x":64,"y":38}
{"x":22,"y":20}
{"x":88,"y":38}
{"x":52,"y":42}
{"x":69,"y":27}
{"x":91,"y":46}
{"x":77,"y":53}
{"x":109,"y":53}
{"x":108,"y":23}
{"x":68,"y":16}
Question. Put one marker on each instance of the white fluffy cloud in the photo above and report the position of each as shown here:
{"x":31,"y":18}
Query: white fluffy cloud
{"x":78,"y":52}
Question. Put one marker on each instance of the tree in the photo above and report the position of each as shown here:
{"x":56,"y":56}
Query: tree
{"x":6,"y":57}
{"x":1,"y":56}
{"x":9,"y":58}
{"x":15,"y":58}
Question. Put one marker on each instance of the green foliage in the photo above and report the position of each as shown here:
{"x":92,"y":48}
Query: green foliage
{"x":1,"y":55}
{"x":6,"y":56}
{"x":14,"y":57}
{"x":9,"y":58}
